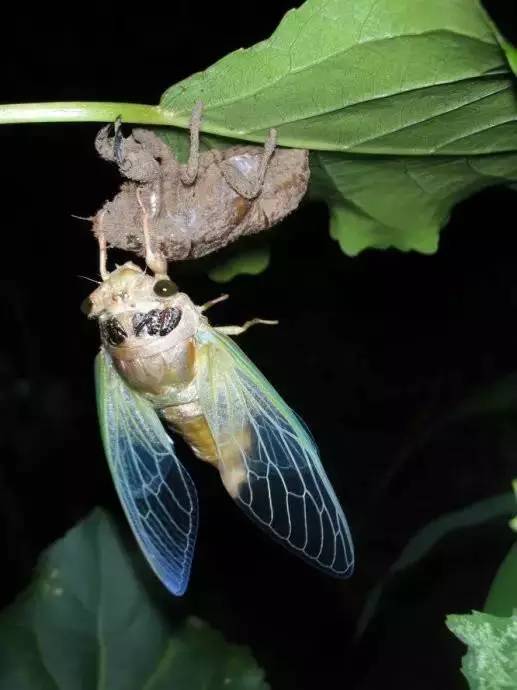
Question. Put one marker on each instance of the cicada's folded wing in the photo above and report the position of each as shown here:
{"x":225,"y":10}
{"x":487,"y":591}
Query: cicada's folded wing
{"x":158,"y":496}
{"x":268,"y":461}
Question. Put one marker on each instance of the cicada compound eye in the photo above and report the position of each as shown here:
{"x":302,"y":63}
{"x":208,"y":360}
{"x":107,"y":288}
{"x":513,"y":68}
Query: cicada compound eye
{"x":165,"y":288}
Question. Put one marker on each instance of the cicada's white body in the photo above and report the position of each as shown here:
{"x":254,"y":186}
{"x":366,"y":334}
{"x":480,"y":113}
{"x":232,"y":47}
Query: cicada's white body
{"x":157,"y":356}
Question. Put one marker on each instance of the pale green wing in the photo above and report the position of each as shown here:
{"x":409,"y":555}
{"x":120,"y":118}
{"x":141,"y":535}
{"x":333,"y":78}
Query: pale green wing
{"x":269,"y":462}
{"x":158,"y":496}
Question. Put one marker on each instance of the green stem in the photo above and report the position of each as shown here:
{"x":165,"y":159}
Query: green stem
{"x":84,"y":111}
{"x":96,"y":111}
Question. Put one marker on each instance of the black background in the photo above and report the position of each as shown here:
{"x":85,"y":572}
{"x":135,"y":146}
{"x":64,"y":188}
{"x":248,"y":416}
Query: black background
{"x":373,"y":352}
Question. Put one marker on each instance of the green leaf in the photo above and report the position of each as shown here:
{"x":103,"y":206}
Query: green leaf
{"x":251,"y":262}
{"x":423,"y":542}
{"x":502,"y":597}
{"x":362,"y":209}
{"x":491,"y":660}
{"x":410,"y":108}
{"x":510,"y":52}
{"x":88,"y":622}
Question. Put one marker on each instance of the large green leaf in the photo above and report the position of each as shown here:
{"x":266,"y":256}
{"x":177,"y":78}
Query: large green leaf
{"x":87,"y":622}
{"x":408,"y":106}
{"x":491,"y":660}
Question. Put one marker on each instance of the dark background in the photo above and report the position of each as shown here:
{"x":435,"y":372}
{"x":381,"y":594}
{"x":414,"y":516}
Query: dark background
{"x":374,"y":352}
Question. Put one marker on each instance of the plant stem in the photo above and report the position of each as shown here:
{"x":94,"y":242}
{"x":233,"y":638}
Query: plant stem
{"x":89,"y":111}
{"x":97,"y":111}
{"x":131,"y":113}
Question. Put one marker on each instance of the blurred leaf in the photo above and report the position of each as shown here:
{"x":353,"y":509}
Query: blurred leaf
{"x":87,"y":622}
{"x":422,"y":543}
{"x":412,"y":102}
{"x":502,"y":597}
{"x":513,"y":521}
{"x":501,"y":396}
{"x":491,"y":660}
{"x":475,"y":514}
{"x":251,"y":262}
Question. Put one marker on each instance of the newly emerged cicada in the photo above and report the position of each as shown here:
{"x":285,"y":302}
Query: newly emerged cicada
{"x":161,"y":361}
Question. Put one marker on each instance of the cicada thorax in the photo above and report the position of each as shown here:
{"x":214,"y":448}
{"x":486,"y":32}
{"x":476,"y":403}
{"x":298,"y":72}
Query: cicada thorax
{"x":155,"y":352}
{"x":152,"y":346}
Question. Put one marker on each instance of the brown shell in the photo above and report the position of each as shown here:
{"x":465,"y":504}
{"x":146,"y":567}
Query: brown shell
{"x":191,"y":221}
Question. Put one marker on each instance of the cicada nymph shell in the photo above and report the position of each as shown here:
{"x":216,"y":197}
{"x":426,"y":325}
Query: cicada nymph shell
{"x":219,"y":196}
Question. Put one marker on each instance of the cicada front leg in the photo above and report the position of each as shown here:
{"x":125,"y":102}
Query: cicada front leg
{"x":233,"y":330}
{"x":208,"y":305}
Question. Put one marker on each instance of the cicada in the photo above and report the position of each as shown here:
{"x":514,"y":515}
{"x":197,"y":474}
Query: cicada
{"x":161,"y":364}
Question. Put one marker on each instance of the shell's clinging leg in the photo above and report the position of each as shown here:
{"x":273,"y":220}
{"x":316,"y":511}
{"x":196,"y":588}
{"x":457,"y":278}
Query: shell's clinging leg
{"x":118,"y":141}
{"x":249,"y":186}
{"x":189,"y":172}
{"x":237,"y":330}
{"x":156,"y":261}
{"x":111,"y":149}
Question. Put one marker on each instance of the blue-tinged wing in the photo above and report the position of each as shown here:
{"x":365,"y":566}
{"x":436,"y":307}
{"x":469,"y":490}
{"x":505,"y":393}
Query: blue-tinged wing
{"x":268,"y":461}
{"x":158,"y":496}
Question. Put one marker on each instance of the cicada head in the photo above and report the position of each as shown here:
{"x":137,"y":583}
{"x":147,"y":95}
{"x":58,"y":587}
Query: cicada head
{"x":139,"y":313}
{"x":134,"y":309}
{"x":123,"y":290}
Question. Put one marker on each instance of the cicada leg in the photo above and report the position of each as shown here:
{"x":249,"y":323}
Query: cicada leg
{"x":207,"y":305}
{"x":237,"y":330}
{"x":156,"y":261}
{"x":249,"y":186}
{"x":118,"y":141}
{"x":103,"y":249}
{"x":111,"y":149}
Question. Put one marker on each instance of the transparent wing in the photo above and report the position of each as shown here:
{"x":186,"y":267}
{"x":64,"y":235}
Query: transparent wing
{"x":269,"y":463}
{"x":158,"y":496}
